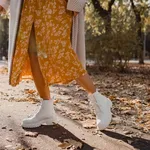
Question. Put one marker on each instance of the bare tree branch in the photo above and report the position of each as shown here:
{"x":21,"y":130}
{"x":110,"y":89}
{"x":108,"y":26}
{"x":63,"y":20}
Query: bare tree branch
{"x":110,"y":5}
{"x":136,"y":12}
{"x":139,"y":31}
{"x":134,"y":7}
{"x":105,"y":14}
{"x":102,"y":12}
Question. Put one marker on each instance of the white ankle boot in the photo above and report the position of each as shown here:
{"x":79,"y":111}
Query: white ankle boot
{"x":102,"y":106}
{"x":46,"y":114}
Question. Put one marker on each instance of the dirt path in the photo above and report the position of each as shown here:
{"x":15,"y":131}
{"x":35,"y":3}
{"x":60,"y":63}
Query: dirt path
{"x":12,"y":136}
{"x":128,"y":129}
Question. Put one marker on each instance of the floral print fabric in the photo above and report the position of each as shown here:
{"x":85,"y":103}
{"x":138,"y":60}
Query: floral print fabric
{"x":52,"y":25}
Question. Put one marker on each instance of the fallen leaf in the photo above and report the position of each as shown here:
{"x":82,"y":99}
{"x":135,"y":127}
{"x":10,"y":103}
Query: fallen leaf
{"x":28,"y":91}
{"x":89,"y":124}
{"x":64,"y":145}
{"x":129,"y":112}
{"x":57,"y":101}
{"x":128,"y":132}
{"x":75,"y":144}
{"x":3,"y":70}
{"x":31,"y":134}
{"x":112,"y":97}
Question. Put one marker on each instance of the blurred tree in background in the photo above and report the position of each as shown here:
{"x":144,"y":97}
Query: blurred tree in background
{"x":4,"y":36}
{"x":115,"y":30}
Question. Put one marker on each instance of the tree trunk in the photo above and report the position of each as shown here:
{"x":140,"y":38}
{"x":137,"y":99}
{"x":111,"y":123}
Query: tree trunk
{"x":139,"y":32}
{"x":105,"y":14}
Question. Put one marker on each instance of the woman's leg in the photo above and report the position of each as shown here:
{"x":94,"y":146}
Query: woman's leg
{"x":86,"y":82}
{"x":42,"y":88}
{"x":101,"y":104}
{"x":46,"y":113}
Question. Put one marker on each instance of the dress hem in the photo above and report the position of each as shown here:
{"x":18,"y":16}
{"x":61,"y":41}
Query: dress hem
{"x":50,"y":83}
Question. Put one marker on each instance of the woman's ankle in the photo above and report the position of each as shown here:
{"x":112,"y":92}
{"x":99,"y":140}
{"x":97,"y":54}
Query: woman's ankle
{"x":92,"y":91}
{"x":46,"y":98}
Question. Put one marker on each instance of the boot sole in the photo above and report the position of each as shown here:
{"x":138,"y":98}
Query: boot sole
{"x":40,"y":123}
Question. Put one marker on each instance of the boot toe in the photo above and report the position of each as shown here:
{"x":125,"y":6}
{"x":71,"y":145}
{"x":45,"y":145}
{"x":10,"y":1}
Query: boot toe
{"x":30,"y":123}
{"x":102,"y":125}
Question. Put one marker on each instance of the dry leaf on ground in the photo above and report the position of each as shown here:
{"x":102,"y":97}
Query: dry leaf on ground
{"x":88,"y":124}
{"x":31,"y":134}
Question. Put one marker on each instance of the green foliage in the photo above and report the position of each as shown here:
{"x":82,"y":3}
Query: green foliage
{"x":116,"y":48}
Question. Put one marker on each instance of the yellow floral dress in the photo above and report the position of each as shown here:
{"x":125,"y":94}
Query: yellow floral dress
{"x":52,"y":25}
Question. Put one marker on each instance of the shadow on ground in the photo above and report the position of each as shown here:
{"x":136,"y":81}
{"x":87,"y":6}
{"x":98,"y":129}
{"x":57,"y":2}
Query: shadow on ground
{"x":60,"y":133}
{"x":138,"y":143}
